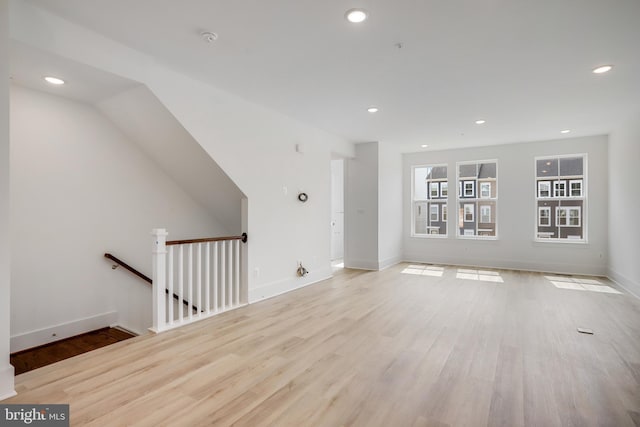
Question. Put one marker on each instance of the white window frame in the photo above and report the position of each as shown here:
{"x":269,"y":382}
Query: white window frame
{"x":444,"y":189}
{"x":483,"y":187}
{"x":544,"y":209}
{"x":470,"y":194}
{"x":473,"y":212}
{"x":431,"y":213}
{"x":540,"y":189}
{"x":482,"y":214}
{"x":574,"y":181}
{"x":469,"y":233}
{"x":555,"y":238}
{"x":556,"y":188}
{"x":434,"y":186}
{"x":426,"y":200}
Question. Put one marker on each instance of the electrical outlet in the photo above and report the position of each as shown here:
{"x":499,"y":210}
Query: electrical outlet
{"x":256,"y":272}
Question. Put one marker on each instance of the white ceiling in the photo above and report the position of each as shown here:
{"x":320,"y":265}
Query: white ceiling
{"x":29,"y":66}
{"x":524,"y":66}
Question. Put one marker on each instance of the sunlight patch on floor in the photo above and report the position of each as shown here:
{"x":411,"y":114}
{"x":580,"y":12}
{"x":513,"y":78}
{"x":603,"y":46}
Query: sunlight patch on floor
{"x":479,"y":275}
{"x":581,"y":284}
{"x":424,"y":270}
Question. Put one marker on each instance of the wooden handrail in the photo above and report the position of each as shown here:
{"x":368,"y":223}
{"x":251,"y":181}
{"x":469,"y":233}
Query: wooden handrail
{"x":242,"y":238}
{"x":143,"y":277}
{"x":128,"y":267}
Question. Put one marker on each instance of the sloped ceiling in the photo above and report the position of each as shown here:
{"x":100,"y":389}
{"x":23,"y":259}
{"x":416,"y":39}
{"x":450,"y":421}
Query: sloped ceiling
{"x":432,"y":67}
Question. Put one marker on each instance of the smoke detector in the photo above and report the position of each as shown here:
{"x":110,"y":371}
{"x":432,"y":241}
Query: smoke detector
{"x":209,"y":37}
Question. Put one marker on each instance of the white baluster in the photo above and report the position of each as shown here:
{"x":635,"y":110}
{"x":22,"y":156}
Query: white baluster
{"x":230,"y":270}
{"x":170,"y":280}
{"x":207,"y":277}
{"x":216,"y":269}
{"x":223,"y":279}
{"x":190,"y":278}
{"x":199,"y":279}
{"x":159,"y":252}
{"x":236,"y":276}
{"x":180,"y":282}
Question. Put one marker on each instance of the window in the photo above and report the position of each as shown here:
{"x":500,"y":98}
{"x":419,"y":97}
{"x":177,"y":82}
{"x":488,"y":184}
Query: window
{"x":568,"y":216}
{"x":477,"y":199}
{"x":468,"y":188}
{"x":544,"y":189}
{"x":544,"y":216}
{"x":561,"y":198}
{"x":485,"y":214}
{"x":433,"y":190}
{"x":575,"y":188}
{"x":559,"y":188}
{"x":429,"y":190}
{"x":444,"y":189}
{"x":469,"y":212}
{"x":434,"y":213}
{"x":485,"y":190}
{"x":444,"y":211}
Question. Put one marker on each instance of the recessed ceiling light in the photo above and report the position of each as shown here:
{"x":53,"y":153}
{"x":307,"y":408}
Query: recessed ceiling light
{"x":565,"y":131}
{"x":372,"y":109}
{"x":424,"y":146}
{"x":54,"y":80}
{"x":602,"y":69}
{"x":356,"y":15}
{"x":480,"y":122}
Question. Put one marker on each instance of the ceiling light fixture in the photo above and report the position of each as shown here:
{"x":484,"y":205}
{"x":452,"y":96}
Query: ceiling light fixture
{"x":54,"y":80}
{"x":356,"y":16}
{"x":372,"y":109}
{"x":480,"y":122}
{"x":565,"y":131}
{"x":424,"y":146}
{"x":602,"y":69}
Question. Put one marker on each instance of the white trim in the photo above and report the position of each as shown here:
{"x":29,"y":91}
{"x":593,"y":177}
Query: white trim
{"x":485,"y":207}
{"x":625,"y":283}
{"x":544,"y":208}
{"x":540,"y":190}
{"x":464,"y":212}
{"x":431,"y":212}
{"x":471,"y":194}
{"x":7,"y":384}
{"x":61,"y":331}
{"x":444,"y":189}
{"x":414,"y":200}
{"x":557,"y":186}
{"x":485,"y":184}
{"x":567,"y":210}
{"x":575,"y":181}
{"x":434,"y":186}
{"x":280,"y":287}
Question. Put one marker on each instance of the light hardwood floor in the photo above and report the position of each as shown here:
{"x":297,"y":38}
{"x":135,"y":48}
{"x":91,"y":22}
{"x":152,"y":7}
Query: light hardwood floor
{"x":372,"y":349}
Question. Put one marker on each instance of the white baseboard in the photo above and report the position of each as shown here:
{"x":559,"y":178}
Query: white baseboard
{"x":560,"y":268}
{"x":627,"y":284}
{"x":64,"y":330}
{"x":389,"y":262}
{"x":361,"y":264}
{"x":282,"y":286}
{"x":6,"y":381}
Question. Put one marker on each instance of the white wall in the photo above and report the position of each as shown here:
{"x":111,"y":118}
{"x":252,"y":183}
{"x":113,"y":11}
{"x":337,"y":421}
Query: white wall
{"x":515,"y":247}
{"x":337,"y":209}
{"x":361,"y":208}
{"x":80,"y":188}
{"x":252,"y":144}
{"x":389,"y":206}
{"x":624,"y":205}
{"x":6,"y":370}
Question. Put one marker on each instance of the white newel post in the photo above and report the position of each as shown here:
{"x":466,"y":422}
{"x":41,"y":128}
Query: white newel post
{"x":159,"y":278}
